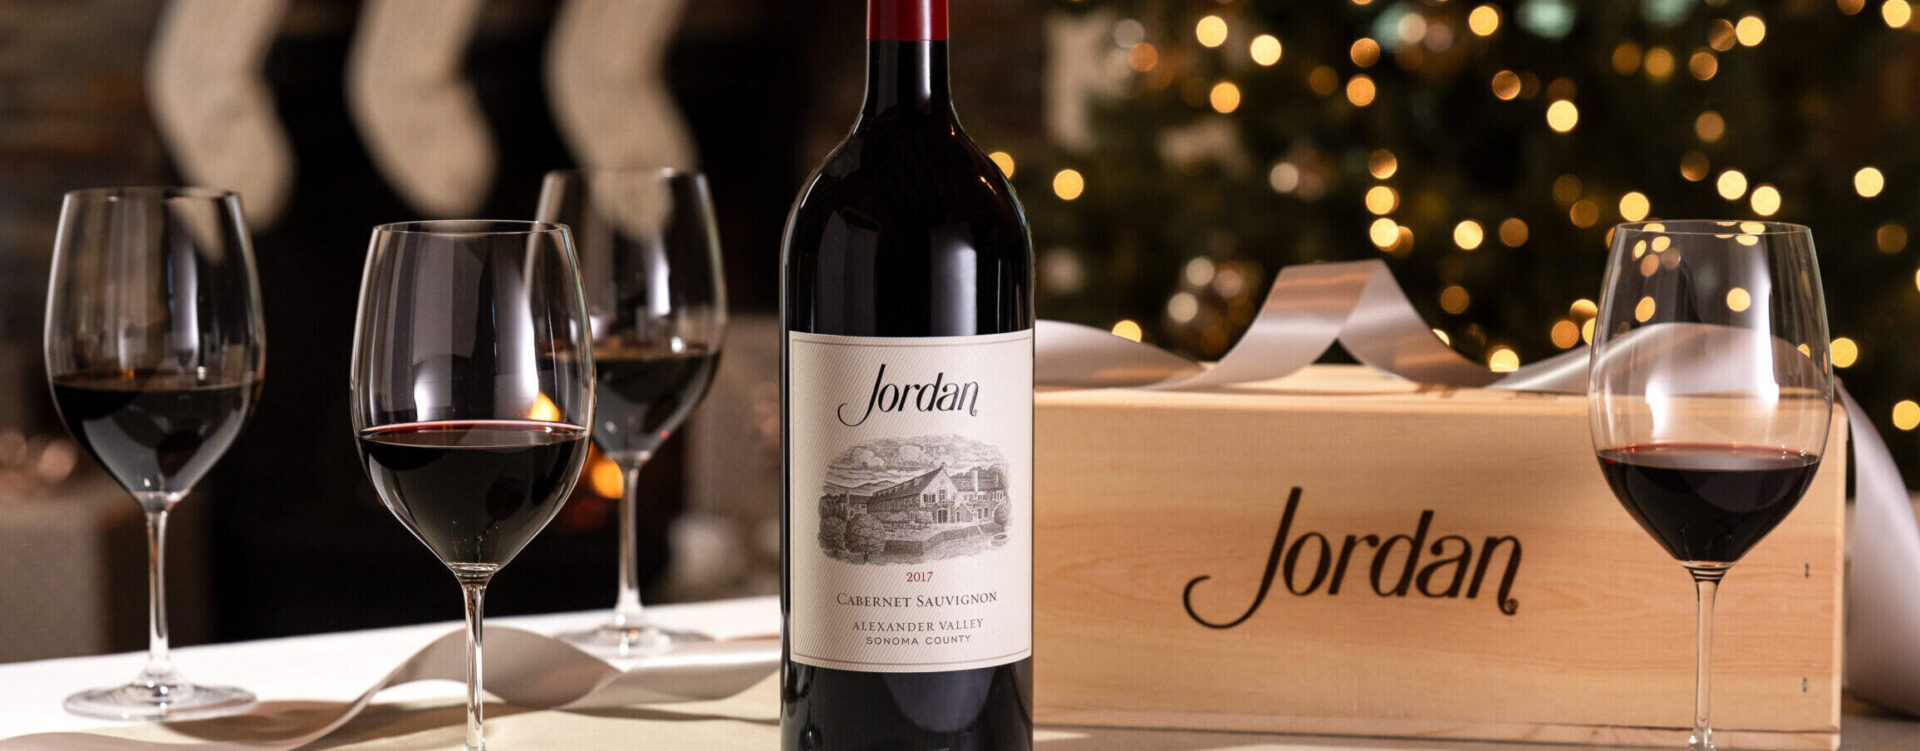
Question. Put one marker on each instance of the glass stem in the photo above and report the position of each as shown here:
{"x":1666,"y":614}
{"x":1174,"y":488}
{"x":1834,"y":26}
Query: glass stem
{"x":475,"y":590}
{"x":1706,"y":582}
{"x":627,"y":612}
{"x":159,"y":671}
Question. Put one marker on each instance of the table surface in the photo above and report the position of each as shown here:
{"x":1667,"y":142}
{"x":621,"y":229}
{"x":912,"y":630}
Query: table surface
{"x":339,"y":666}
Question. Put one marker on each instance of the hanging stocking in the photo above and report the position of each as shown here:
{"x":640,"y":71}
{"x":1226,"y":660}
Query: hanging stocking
{"x":420,"y":119}
{"x":211,"y":103}
{"x":607,"y":87}
{"x":1077,"y":74}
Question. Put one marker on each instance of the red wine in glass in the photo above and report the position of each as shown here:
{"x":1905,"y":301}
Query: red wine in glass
{"x":1707,"y":502}
{"x":474,"y":491}
{"x":1710,"y":395}
{"x":650,"y":257}
{"x":153,"y":431}
{"x":472,"y":384}
{"x":646,"y":392}
{"x":154,"y":343}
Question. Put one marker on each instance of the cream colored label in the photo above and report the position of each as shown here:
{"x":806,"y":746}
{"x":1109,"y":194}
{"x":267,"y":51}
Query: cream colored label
{"x":911,"y":479}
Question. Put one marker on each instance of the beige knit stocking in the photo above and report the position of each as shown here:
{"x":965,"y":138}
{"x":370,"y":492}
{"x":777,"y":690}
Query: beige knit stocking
{"x":606,"y":84}
{"x":420,"y":119}
{"x":212,"y":106}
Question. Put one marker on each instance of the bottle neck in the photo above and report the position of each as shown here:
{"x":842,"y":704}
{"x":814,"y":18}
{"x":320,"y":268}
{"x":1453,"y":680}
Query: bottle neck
{"x":907,"y":78}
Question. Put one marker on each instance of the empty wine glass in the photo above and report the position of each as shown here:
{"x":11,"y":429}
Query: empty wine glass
{"x":651,"y":261}
{"x":154,"y":348}
{"x":472,"y":389}
{"x":1710,"y":394}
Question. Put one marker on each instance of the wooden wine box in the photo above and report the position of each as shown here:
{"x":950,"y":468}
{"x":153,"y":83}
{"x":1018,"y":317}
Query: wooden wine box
{"x":1536,"y":610}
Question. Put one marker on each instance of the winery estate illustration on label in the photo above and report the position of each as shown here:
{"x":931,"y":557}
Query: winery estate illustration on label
{"x":912,"y":500}
{"x":916,"y":555}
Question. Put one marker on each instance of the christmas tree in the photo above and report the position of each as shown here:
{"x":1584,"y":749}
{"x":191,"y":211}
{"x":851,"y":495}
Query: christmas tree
{"x":1484,"y":149}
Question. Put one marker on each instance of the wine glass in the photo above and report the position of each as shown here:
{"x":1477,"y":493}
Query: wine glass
{"x":651,"y":262}
{"x":1710,"y":393}
{"x":472,"y":386}
{"x":154,"y":350}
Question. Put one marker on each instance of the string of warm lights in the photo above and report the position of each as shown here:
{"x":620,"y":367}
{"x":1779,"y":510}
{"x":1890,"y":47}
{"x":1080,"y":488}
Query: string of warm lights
{"x":1220,"y":60}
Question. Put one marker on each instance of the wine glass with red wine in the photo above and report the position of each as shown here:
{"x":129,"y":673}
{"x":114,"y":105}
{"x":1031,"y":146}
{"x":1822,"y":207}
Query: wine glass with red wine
{"x":650,"y":259}
{"x":1710,"y":393}
{"x":154,"y":348}
{"x":472,"y":389}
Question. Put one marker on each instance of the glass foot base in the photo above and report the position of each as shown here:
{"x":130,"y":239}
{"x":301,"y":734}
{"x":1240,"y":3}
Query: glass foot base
{"x":160,"y":702}
{"x":618,"y":641}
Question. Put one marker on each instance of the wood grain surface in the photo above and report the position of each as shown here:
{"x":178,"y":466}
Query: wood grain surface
{"x":1140,"y":494}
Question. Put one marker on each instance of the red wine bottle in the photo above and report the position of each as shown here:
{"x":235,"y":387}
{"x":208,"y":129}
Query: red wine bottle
{"x":907,"y":398}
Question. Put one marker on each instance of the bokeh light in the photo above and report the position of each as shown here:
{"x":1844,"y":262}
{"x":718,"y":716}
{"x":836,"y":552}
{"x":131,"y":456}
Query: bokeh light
{"x":1265,"y":49}
{"x":1382,"y":164}
{"x":1766,"y":200}
{"x":1566,"y":189}
{"x":1068,"y":184}
{"x":1731,"y":185}
{"x":1694,"y":166}
{"x":1897,"y":13}
{"x":1703,"y":65}
{"x":1659,"y":63}
{"x":1381,"y":199}
{"x":1709,"y":126}
{"x":1484,"y":20}
{"x":1503,"y":360}
{"x":1143,"y":57}
{"x":1906,"y":414}
{"x":1384,"y":233}
{"x":1513,"y":232}
{"x":1468,"y":235}
{"x":1890,"y":237}
{"x":1211,"y":31}
{"x":1845,"y":352}
{"x":1584,"y":213}
{"x":1626,"y":58}
{"x":1364,"y":52}
{"x":1004,"y":161}
{"x":1225,"y":97}
{"x":1868,"y":182}
{"x":1506,"y":85}
{"x":1360,"y":91}
{"x":1562,"y":116}
{"x":1323,"y":80}
{"x":1565,"y":334}
{"x":1720,"y":35}
{"x":1634,"y":206}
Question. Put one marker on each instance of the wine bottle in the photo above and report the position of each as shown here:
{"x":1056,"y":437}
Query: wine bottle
{"x":907,"y":422}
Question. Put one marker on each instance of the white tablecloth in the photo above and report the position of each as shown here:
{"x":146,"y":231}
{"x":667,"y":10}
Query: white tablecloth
{"x":332,"y":667}
{"x":340,"y":666}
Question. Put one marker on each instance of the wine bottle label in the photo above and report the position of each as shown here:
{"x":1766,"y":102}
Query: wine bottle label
{"x":911,"y":477}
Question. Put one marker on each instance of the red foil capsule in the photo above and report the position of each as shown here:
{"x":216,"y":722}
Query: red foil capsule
{"x":907,"y":20}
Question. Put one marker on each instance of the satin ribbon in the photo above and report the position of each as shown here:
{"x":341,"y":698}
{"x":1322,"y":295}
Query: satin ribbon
{"x":524,"y":669}
{"x":1359,"y":306}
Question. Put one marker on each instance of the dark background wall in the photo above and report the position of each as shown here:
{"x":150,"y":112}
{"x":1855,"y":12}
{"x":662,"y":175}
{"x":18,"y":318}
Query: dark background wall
{"x":286,"y":536}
